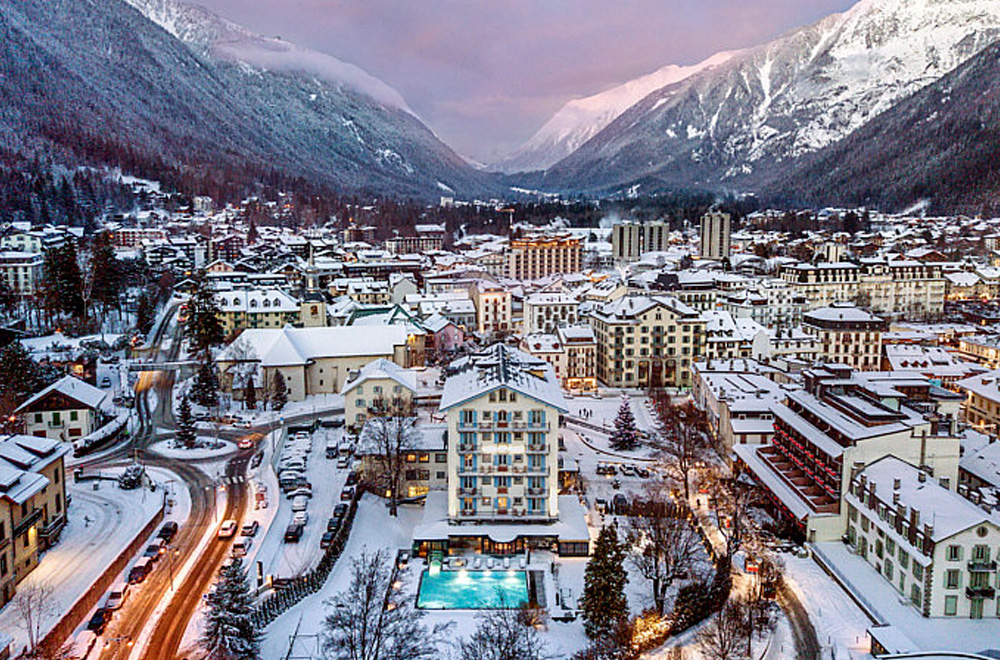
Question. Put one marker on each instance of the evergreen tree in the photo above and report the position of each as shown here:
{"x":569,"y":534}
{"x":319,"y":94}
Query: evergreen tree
{"x":205,"y":391}
{"x":63,"y":283}
{"x":144,"y":313}
{"x":230,"y":634}
{"x":8,"y":299}
{"x":187,"y":432}
{"x":203,"y":329}
{"x":625,"y":435}
{"x":105,"y":273}
{"x":604,"y":606}
{"x":279,"y":391}
{"x":250,"y":393}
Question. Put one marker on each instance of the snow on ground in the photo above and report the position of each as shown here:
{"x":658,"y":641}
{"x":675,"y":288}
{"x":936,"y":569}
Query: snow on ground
{"x":597,"y":485}
{"x":933,"y":634}
{"x":604,"y":409}
{"x":167,"y":449}
{"x":100,"y":524}
{"x":289,"y":559}
{"x":838,"y":621}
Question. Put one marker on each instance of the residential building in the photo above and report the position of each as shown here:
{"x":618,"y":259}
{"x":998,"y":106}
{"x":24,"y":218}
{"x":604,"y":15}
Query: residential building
{"x":544,"y":312}
{"x":626,"y":242}
{"x":536,"y":256}
{"x":256,"y":308}
{"x":728,"y":338}
{"x":847,"y":335}
{"x":425,"y":457}
{"x":380,"y":388}
{"x":937,"y":549}
{"x":716,"y":229}
{"x":22,"y":271}
{"x":67,"y":410}
{"x":736,"y":396}
{"x":33,"y":505}
{"x":840,"y":423}
{"x":493,"y":304}
{"x":982,"y":402}
{"x":647,"y":341}
{"x":580,"y":346}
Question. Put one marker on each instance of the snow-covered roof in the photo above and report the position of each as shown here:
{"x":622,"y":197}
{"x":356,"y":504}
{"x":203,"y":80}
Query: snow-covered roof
{"x":841,"y":312}
{"x":984,"y":464}
{"x":419,"y":437}
{"x":382,"y":369}
{"x":275,"y":347}
{"x":986,"y":385}
{"x":73,"y":388}
{"x":949,"y":512}
{"x":571,"y":525}
{"x":501,"y":366}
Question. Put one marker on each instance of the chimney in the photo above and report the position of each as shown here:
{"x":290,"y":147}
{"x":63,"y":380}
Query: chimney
{"x":922,"y":476}
{"x":895,"y":499}
{"x":896,"y":483}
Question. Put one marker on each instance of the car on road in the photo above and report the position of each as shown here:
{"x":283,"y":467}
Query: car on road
{"x":248,"y":442}
{"x":347,"y":493}
{"x":352,"y":478}
{"x":340,"y":511}
{"x":227,"y":529}
{"x":332,"y":524}
{"x":116,"y":597}
{"x":343,"y":463}
{"x":250,"y":528}
{"x":242,"y":546}
{"x":628,"y":470}
{"x":300,"y":518}
{"x":327,"y":540}
{"x":243,"y":423}
{"x":168,"y":531}
{"x":154,"y":549}
{"x":293,"y":533}
{"x":99,"y":621}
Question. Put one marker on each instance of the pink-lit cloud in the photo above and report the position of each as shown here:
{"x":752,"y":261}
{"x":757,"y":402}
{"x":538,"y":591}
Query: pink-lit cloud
{"x":485,"y":74}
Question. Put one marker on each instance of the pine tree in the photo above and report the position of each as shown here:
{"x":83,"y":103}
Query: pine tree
{"x":625,"y":435}
{"x":144,"y":313}
{"x":250,"y":393}
{"x":230,"y":633}
{"x":205,"y":391}
{"x":187,"y":432}
{"x":279,"y":391}
{"x":604,"y":606}
{"x":63,"y":283}
{"x":105,"y":272}
{"x":203,"y":329}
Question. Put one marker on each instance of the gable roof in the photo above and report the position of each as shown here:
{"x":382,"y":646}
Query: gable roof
{"x":384,"y":369}
{"x":74,"y":388}
{"x":502,"y":366}
{"x":289,"y":346}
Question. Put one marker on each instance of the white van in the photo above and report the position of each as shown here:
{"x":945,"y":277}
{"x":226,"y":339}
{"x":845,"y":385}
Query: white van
{"x":300,"y":503}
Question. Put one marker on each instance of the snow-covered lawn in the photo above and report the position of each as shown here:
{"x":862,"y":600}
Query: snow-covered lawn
{"x":101,"y":523}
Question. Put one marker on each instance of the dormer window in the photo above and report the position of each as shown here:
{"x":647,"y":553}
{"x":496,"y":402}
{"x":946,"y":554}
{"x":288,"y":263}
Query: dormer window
{"x":253,"y":303}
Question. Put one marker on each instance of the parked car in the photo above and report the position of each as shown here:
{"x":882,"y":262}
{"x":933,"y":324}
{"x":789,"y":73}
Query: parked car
{"x":343,"y":463}
{"x":340,"y":511}
{"x":347,"y":493}
{"x":628,"y":470}
{"x":621,"y":505}
{"x":250,"y":528}
{"x":99,"y":621}
{"x":332,"y":524}
{"x":300,"y":518}
{"x":642,"y":472}
{"x":168,"y":531}
{"x":116,"y":597}
{"x":352,"y":478}
{"x":601,"y":505}
{"x":153,"y":550}
{"x":300,"y":503}
{"x":327,"y":540}
{"x":140,"y":570}
{"x":303,"y":491}
{"x":293,"y":533}
{"x":228,"y":529}
{"x":242,"y":546}
{"x":105,"y":382}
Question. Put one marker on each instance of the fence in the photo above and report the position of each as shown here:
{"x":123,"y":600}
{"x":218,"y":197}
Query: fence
{"x":296,"y":589}
{"x":61,"y":631}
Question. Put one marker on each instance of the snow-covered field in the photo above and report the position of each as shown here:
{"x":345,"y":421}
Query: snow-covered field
{"x":101,"y":523}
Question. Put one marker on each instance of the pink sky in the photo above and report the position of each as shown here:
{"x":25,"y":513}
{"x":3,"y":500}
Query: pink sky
{"x":485,"y":75}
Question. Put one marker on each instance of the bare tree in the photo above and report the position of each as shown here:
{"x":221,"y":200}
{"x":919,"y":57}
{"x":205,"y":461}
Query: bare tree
{"x":505,"y":633}
{"x":387,"y":438}
{"x":725,"y":636}
{"x":683,"y":441}
{"x":732,"y":502}
{"x":663,"y":546}
{"x":374,"y":619}
{"x":33,"y":604}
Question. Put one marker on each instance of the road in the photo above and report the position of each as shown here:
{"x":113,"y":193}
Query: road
{"x":806,"y":641}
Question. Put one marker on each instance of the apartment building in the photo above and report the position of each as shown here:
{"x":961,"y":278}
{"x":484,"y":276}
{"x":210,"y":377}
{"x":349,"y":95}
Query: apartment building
{"x":425,"y":459}
{"x":982,"y":401}
{"x":647,"y":341}
{"x":544,"y":312}
{"x":256,"y":308}
{"x":571,"y":352}
{"x":847,"y":335}
{"x":727,"y":338}
{"x":716,"y":230}
{"x":381,"y":387}
{"x":494,"y":307}
{"x":736,"y":396}
{"x":630,"y":240}
{"x":839,"y":423}
{"x":541,"y":255}
{"x":67,"y":410}
{"x":937,"y":549}
{"x":22,"y":271}
{"x":32,"y":505}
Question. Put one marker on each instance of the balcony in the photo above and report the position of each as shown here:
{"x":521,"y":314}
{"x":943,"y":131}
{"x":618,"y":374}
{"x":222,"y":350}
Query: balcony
{"x":537,"y":447}
{"x":468,"y":512}
{"x":537,"y":491}
{"x":56,"y":425}
{"x":466,"y":491}
{"x":26,"y":522}
{"x":468,"y":469}
{"x":980,"y":592}
{"x":466,"y":447}
{"x":537,"y":469}
{"x":982,"y":566}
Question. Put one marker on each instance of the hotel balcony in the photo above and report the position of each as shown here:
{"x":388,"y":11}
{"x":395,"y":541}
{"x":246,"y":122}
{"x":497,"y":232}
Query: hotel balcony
{"x":982,"y":566}
{"x":467,"y":491}
{"x":818,"y":499}
{"x":537,"y":447}
{"x":980,"y":592}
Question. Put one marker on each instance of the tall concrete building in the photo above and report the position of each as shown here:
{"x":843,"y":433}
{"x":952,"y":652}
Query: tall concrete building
{"x":715,"y":232}
{"x":630,"y":240}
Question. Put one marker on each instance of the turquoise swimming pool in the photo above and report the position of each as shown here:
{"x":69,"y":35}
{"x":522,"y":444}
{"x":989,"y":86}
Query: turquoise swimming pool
{"x":472,"y":590}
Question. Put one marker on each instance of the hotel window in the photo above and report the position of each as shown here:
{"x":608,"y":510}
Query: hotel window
{"x":952,"y":579}
{"x":950,"y":605}
{"x":954,"y":553}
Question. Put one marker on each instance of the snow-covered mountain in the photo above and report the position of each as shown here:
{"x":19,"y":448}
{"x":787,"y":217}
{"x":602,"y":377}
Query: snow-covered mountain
{"x":191,"y":95}
{"x":225,"y":40}
{"x":766,"y":105}
{"x":581,"y":119}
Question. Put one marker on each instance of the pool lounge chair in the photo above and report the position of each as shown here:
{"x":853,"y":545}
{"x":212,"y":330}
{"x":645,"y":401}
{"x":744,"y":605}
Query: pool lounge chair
{"x":506,"y":562}
{"x":522,"y":563}
{"x":478,"y":563}
{"x":489,"y":563}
